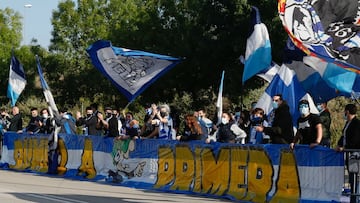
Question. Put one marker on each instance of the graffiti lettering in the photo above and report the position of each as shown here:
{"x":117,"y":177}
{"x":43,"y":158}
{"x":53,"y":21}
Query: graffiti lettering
{"x":244,"y":172}
{"x":87,"y":161}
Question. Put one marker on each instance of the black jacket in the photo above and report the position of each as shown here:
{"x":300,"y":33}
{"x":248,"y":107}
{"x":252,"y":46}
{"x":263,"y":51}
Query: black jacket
{"x":281,"y":131}
{"x":352,"y":135}
{"x":16,"y":123}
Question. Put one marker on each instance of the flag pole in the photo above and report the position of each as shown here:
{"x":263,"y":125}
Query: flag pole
{"x":219,"y":102}
{"x":127,"y":105}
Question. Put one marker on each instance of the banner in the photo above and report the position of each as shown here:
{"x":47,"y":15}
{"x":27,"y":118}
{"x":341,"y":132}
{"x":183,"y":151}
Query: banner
{"x":247,"y":173}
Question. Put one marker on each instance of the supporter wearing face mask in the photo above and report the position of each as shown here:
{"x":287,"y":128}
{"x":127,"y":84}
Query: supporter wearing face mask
{"x":309,"y":130}
{"x":228,"y":131}
{"x":46,"y":126}
{"x":280,"y":127}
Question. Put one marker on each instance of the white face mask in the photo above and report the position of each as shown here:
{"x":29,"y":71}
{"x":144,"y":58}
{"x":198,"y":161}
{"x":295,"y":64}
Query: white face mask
{"x":224,"y":121}
{"x":45,"y":116}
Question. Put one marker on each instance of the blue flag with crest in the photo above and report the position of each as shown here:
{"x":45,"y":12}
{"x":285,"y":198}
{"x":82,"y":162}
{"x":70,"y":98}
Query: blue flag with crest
{"x":130,"y":71}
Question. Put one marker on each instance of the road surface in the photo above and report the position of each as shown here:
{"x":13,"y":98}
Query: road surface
{"x":20,"y":187}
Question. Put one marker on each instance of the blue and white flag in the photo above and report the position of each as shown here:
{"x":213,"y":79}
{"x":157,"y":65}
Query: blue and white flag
{"x":130,"y":71}
{"x":17,"y":80}
{"x":323,"y":80}
{"x":286,"y":83}
{"x":325,"y":29}
{"x":219,"y":102}
{"x":269,"y":73}
{"x":258,"y":48}
{"x":47,"y":93}
{"x":53,"y":111}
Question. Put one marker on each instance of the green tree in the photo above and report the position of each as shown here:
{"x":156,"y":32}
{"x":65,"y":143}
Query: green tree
{"x":10,"y":37}
{"x":208,"y":35}
{"x":76,"y":27}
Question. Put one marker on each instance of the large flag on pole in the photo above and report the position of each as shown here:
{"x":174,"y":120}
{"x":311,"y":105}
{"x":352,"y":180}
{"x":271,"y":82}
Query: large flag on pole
{"x":53,"y":110}
{"x":47,"y":93}
{"x":130,"y":71}
{"x":219,"y":102}
{"x":285,"y":83}
{"x":17,"y":80}
{"x":322,"y":79}
{"x":258,"y":48}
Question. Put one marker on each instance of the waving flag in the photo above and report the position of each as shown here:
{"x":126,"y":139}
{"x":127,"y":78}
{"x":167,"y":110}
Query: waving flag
{"x":53,"y":111}
{"x":258,"y":48}
{"x":285,"y":83}
{"x":219,"y":102}
{"x":322,"y":79}
{"x":325,"y":29}
{"x":130,"y":71}
{"x":47,"y":93}
{"x":17,"y":80}
{"x":269,"y":73}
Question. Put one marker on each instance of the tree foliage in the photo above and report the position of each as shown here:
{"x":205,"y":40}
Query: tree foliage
{"x":209,"y":35}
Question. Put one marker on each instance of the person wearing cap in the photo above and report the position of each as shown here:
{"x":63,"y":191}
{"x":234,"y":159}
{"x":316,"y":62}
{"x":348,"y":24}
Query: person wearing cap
{"x":309,"y":129}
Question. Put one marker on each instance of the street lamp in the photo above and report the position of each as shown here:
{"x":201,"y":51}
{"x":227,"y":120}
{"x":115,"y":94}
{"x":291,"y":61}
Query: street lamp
{"x":25,"y":7}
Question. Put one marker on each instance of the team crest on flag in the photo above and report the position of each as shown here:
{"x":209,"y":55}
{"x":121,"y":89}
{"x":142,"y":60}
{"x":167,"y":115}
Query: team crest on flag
{"x":130,"y":71}
{"x":325,"y":29}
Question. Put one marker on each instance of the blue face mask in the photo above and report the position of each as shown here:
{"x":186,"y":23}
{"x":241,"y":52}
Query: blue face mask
{"x":304,"y":111}
{"x":237,"y":114}
{"x":256,"y":120}
{"x":275,"y":105}
{"x":319,"y":107}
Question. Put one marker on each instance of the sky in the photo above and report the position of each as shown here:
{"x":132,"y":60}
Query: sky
{"x":36,"y":18}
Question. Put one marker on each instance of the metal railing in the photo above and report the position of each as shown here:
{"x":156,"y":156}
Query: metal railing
{"x":351,"y":174}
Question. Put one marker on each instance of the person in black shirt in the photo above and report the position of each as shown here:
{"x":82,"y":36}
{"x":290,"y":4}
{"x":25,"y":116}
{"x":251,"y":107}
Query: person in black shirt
{"x":350,"y":139}
{"x":35,"y":122}
{"x":309,"y":127}
{"x":281,"y":130}
{"x":16,"y":121}
{"x":89,"y":121}
{"x":112,"y":129}
{"x":46,"y":126}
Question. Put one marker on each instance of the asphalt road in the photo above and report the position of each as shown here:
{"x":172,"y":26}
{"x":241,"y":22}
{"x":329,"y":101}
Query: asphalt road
{"x":20,"y":187}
